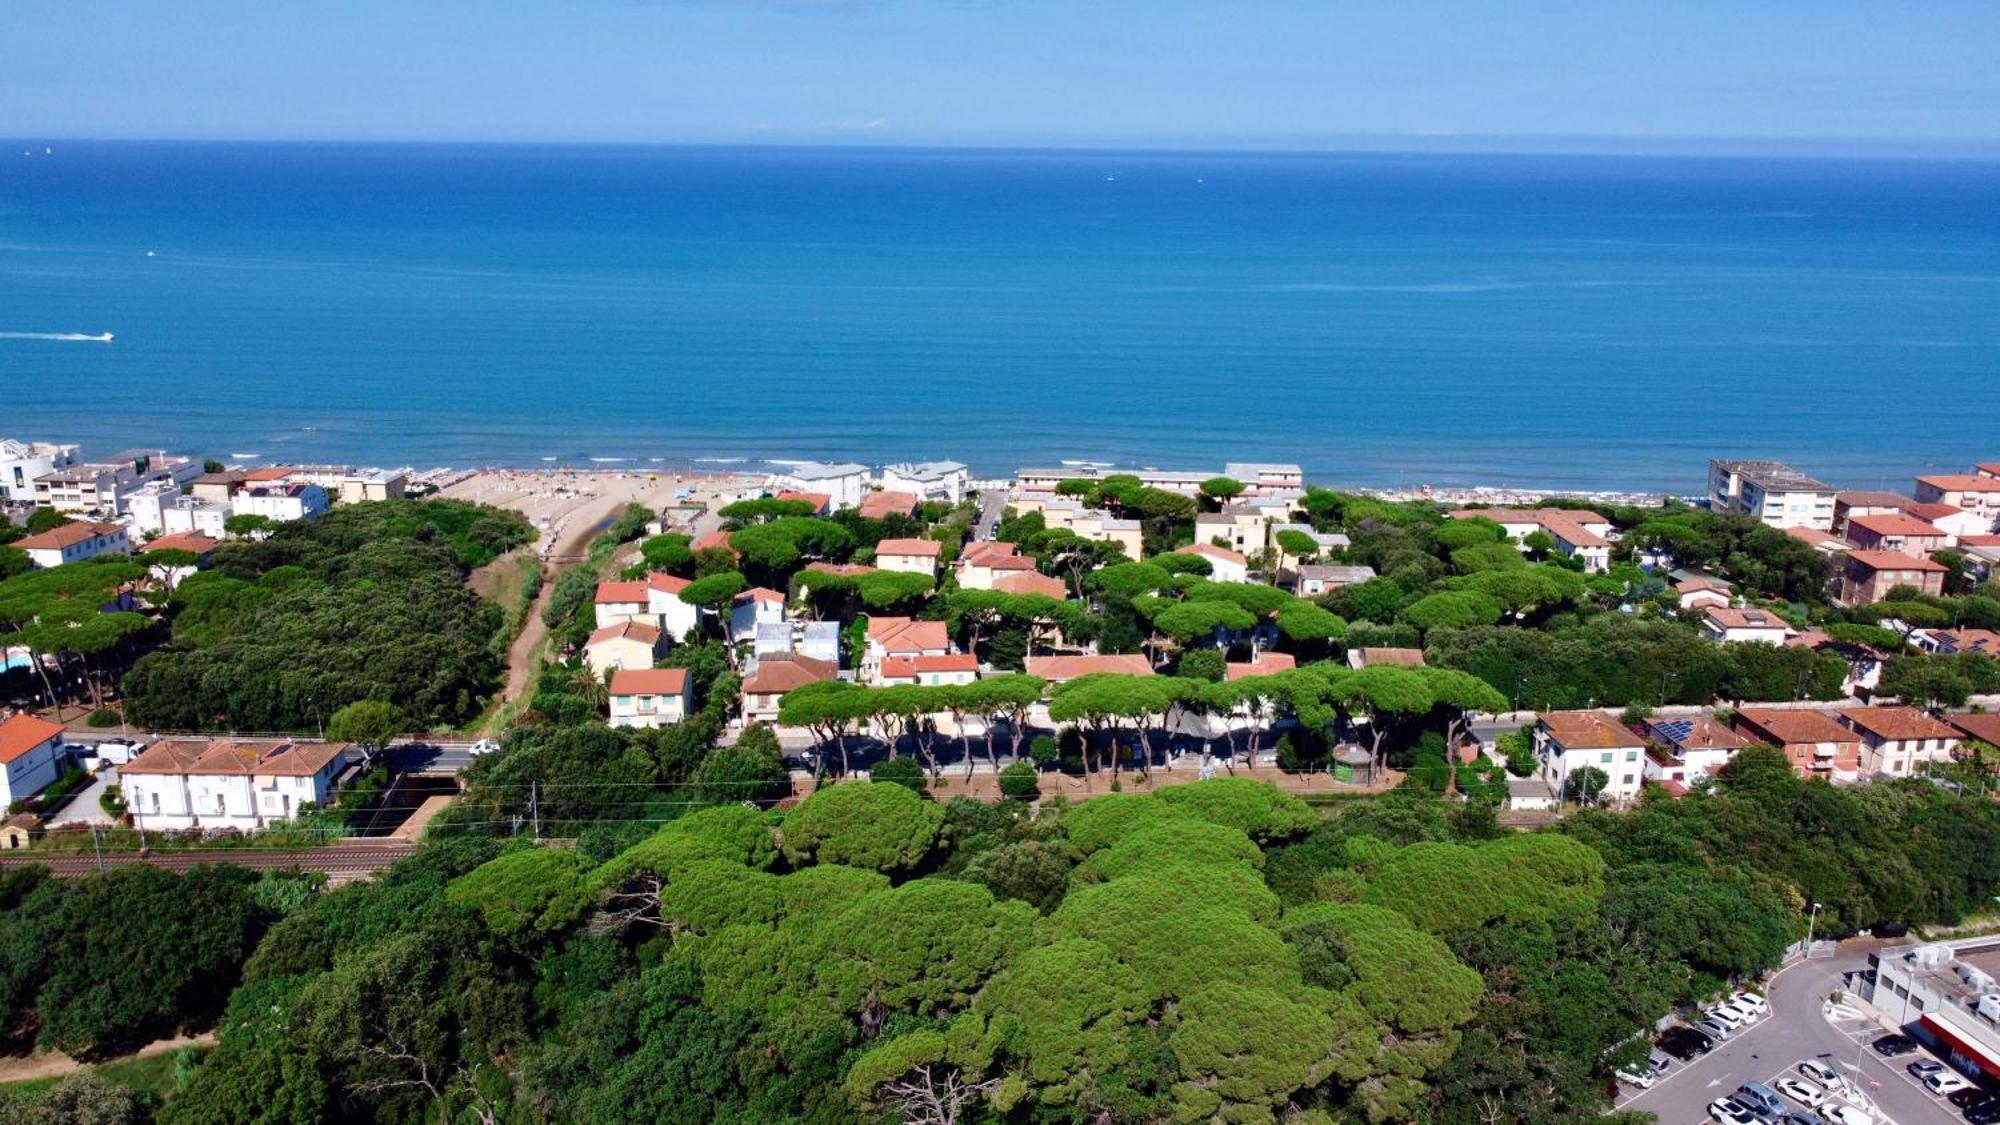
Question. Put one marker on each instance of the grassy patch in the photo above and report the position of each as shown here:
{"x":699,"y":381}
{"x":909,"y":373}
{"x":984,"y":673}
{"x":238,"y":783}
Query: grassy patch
{"x":152,"y":1074}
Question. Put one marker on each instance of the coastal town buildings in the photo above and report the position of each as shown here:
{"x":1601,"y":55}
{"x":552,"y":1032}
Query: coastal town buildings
{"x":1956,"y":523}
{"x":984,"y":563}
{"x":1898,"y":741}
{"x":240,"y":783}
{"x":1261,"y":477}
{"x":930,"y":671}
{"x":1749,"y":625}
{"x":1577,"y":533}
{"x":1062,"y":669}
{"x":22,"y":462}
{"x":1031,"y":582}
{"x":1771,"y":492}
{"x":944,"y":481}
{"x":1971,"y":492}
{"x":908,"y":556}
{"x":844,"y":483}
{"x":1687,"y":752}
{"x":282,"y":503}
{"x":1896,"y":531}
{"x":754,"y":609}
{"x":1703,"y":592}
{"x":187,"y":515}
{"x":31,"y":756}
{"x":765,"y":687}
{"x":1870,"y":575}
{"x":99,"y":488}
{"x":80,"y":541}
{"x":1814,"y":744}
{"x":630,"y":643}
{"x":675,"y":617}
{"x":1568,"y":741}
{"x":885,"y":504}
{"x":649,"y":697}
{"x":893,"y":637}
{"x":1224,"y":564}
{"x":1315,"y":579}
{"x":1239,"y":527}
{"x":1848,"y":505}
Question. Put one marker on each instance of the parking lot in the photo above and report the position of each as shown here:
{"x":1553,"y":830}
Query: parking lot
{"x":1798,"y":1028}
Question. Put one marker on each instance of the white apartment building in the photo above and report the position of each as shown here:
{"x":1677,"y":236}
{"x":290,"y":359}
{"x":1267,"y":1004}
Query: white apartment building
{"x":1771,"y":492}
{"x":75,"y":542}
{"x":31,"y":756}
{"x":282,"y":503}
{"x":244,"y":784}
{"x":843,"y":484}
{"x":649,"y":697}
{"x":928,"y":480}
{"x":1567,"y":741}
{"x":198,"y":517}
{"x":101,"y":486}
{"x":22,"y":461}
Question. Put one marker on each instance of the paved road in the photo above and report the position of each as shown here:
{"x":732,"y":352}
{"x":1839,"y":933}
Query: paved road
{"x":430,"y":757}
{"x":992,"y":505}
{"x":1796,"y":1029}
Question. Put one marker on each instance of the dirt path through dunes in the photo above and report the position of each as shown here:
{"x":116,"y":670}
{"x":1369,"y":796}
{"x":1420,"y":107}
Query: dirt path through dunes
{"x":55,"y":1064}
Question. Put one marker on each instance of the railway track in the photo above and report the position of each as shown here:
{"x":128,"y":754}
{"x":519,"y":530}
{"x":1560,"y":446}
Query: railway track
{"x":341,"y":862}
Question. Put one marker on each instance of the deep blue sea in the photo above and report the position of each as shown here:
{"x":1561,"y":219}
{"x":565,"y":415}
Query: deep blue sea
{"x":1383,"y":319}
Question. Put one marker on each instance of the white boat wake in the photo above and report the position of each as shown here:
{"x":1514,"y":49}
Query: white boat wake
{"x":77,"y":337}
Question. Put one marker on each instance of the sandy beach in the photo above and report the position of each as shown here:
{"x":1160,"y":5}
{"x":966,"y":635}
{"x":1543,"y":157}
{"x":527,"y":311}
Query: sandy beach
{"x":567,"y":506}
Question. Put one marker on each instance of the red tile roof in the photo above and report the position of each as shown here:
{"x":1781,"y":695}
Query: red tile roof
{"x":1864,"y":499}
{"x":1056,"y":669}
{"x":1894,"y":523}
{"x":1984,"y":726}
{"x":905,"y":635}
{"x":1931,"y":513}
{"x":1790,"y":726}
{"x":649,"y":681}
{"x":819,"y":500}
{"x":760,"y":594}
{"x":1897,"y":723}
{"x":236,"y":757}
{"x":193,"y":541}
{"x":1265,"y":664}
{"x":1727,"y":617}
{"x":912,"y":548}
{"x":23,"y":733}
{"x":880,"y":505}
{"x":776,"y":675}
{"x":1703,"y":734}
{"x":1211,"y":551}
{"x":1693,"y":584}
{"x":1029,"y":582}
{"x":1588,"y":730}
{"x":627,"y":631}
{"x":68,"y":535}
{"x":1407,"y":657}
{"x":1818,"y":538}
{"x":1894,"y":560}
{"x":269,"y":473}
{"x":667,"y":583}
{"x":714,"y":541}
{"x":847,"y":569}
{"x":1961,"y":482}
{"x":621,"y":593}
{"x":910,"y":667}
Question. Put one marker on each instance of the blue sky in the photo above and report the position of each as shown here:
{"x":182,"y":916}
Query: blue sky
{"x":1249,"y":72}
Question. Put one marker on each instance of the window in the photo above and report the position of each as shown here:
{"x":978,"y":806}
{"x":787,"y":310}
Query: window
{"x":156,"y":802}
{"x":221,"y":808}
{"x":1605,"y":758}
{"x":1631,"y":755}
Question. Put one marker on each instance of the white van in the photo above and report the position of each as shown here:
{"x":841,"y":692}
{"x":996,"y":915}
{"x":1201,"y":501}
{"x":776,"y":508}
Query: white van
{"x":115,"y":753}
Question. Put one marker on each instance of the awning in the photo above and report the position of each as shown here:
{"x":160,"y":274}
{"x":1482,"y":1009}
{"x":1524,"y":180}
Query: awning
{"x":1968,"y":1037}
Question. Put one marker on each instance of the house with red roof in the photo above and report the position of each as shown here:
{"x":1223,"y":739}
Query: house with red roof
{"x":1579,"y":533}
{"x":77,"y":541}
{"x":630,"y":643}
{"x":1702,"y":592}
{"x":984,"y":563}
{"x":675,"y":617}
{"x":1568,"y":741}
{"x":241,"y":783}
{"x":1898,"y":741}
{"x":1816,"y":745}
{"x":622,"y":601}
{"x":1957,"y":523}
{"x":753,"y":607}
{"x":1972,"y":492}
{"x":31,"y":756}
{"x":1031,"y":582}
{"x":1748,"y":625}
{"x":1848,"y":505}
{"x":909,"y":556}
{"x":1896,"y":531}
{"x":650,"y":697}
{"x":1062,"y":669}
{"x":765,"y":687}
{"x":820,"y":501}
{"x":1870,"y":575}
{"x":1266,"y":664}
{"x":882,"y":505}
{"x":890,"y":637}
{"x":1224,"y":564}
{"x":930,"y":671}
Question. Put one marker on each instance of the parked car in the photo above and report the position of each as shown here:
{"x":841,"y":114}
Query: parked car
{"x":1821,"y":1073}
{"x":1641,"y":1077}
{"x":1837,"y":1114}
{"x":1964,"y":1099}
{"x":1805,"y":1093}
{"x":1727,"y":1015}
{"x":1719,"y":1028}
{"x":1659,"y":1063}
{"x":1924,"y":1068}
{"x":1945,"y":1083}
{"x":1800,"y":1117}
{"x":1729,"y":1111}
{"x":1761,"y":1098}
{"x":1685,"y":1043}
{"x":1985,"y":1112}
{"x":1893,"y":1046}
{"x":1750,"y":1001}
{"x":483,"y":746}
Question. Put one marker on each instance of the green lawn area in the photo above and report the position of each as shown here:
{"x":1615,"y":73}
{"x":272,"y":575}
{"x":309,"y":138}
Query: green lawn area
{"x":153,"y":1074}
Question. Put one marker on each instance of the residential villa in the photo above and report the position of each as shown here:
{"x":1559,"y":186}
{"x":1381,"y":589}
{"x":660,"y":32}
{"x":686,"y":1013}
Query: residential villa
{"x":1224,"y":564}
{"x":630,"y":643}
{"x":1848,"y":505}
{"x":1978,"y":726}
{"x":621,"y":601}
{"x":954,"y":668}
{"x":1062,"y":669}
{"x":1577,"y":533}
{"x":1753,"y":626}
{"x":31,"y":756}
{"x":1896,"y":741}
{"x":1031,"y":582}
{"x":1704,"y":592}
{"x":1770,"y":492}
{"x":909,"y":556}
{"x":1240,"y":527}
{"x":1898,"y":532}
{"x":1567,"y":741}
{"x":983,"y":563}
{"x":199,"y":517}
{"x":752,"y":610}
{"x":282,"y":503}
{"x":1956,"y":523}
{"x":883,"y":505}
{"x":906,"y":637}
{"x":1870,"y":575}
{"x":74,"y":542}
{"x":240,"y":783}
{"x":200,"y":546}
{"x":1314,"y":580}
{"x":649,"y":697}
{"x":675,"y":617}
{"x":765,"y":687}
{"x":1825,"y":542}
{"x":1687,"y":752}
{"x":1816,"y":745}
{"x":1949,"y":641}
{"x":1266,"y":663}
{"x":817,"y":503}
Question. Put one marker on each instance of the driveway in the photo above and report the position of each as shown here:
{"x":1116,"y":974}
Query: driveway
{"x":1797,"y":1028}
{"x":83,"y":808}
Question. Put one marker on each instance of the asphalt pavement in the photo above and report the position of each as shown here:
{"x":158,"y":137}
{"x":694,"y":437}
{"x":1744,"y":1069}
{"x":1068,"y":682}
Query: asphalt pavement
{"x":1797,"y":1028}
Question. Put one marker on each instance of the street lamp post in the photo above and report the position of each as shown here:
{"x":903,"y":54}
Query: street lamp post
{"x":1810,"y":919}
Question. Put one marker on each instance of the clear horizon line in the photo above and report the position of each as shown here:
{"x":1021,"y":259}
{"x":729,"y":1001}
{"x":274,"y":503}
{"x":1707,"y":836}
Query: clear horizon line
{"x":1438,"y":143}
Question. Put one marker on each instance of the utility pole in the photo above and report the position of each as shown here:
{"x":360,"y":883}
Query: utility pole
{"x":534,"y":807}
{"x":97,"y":850}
